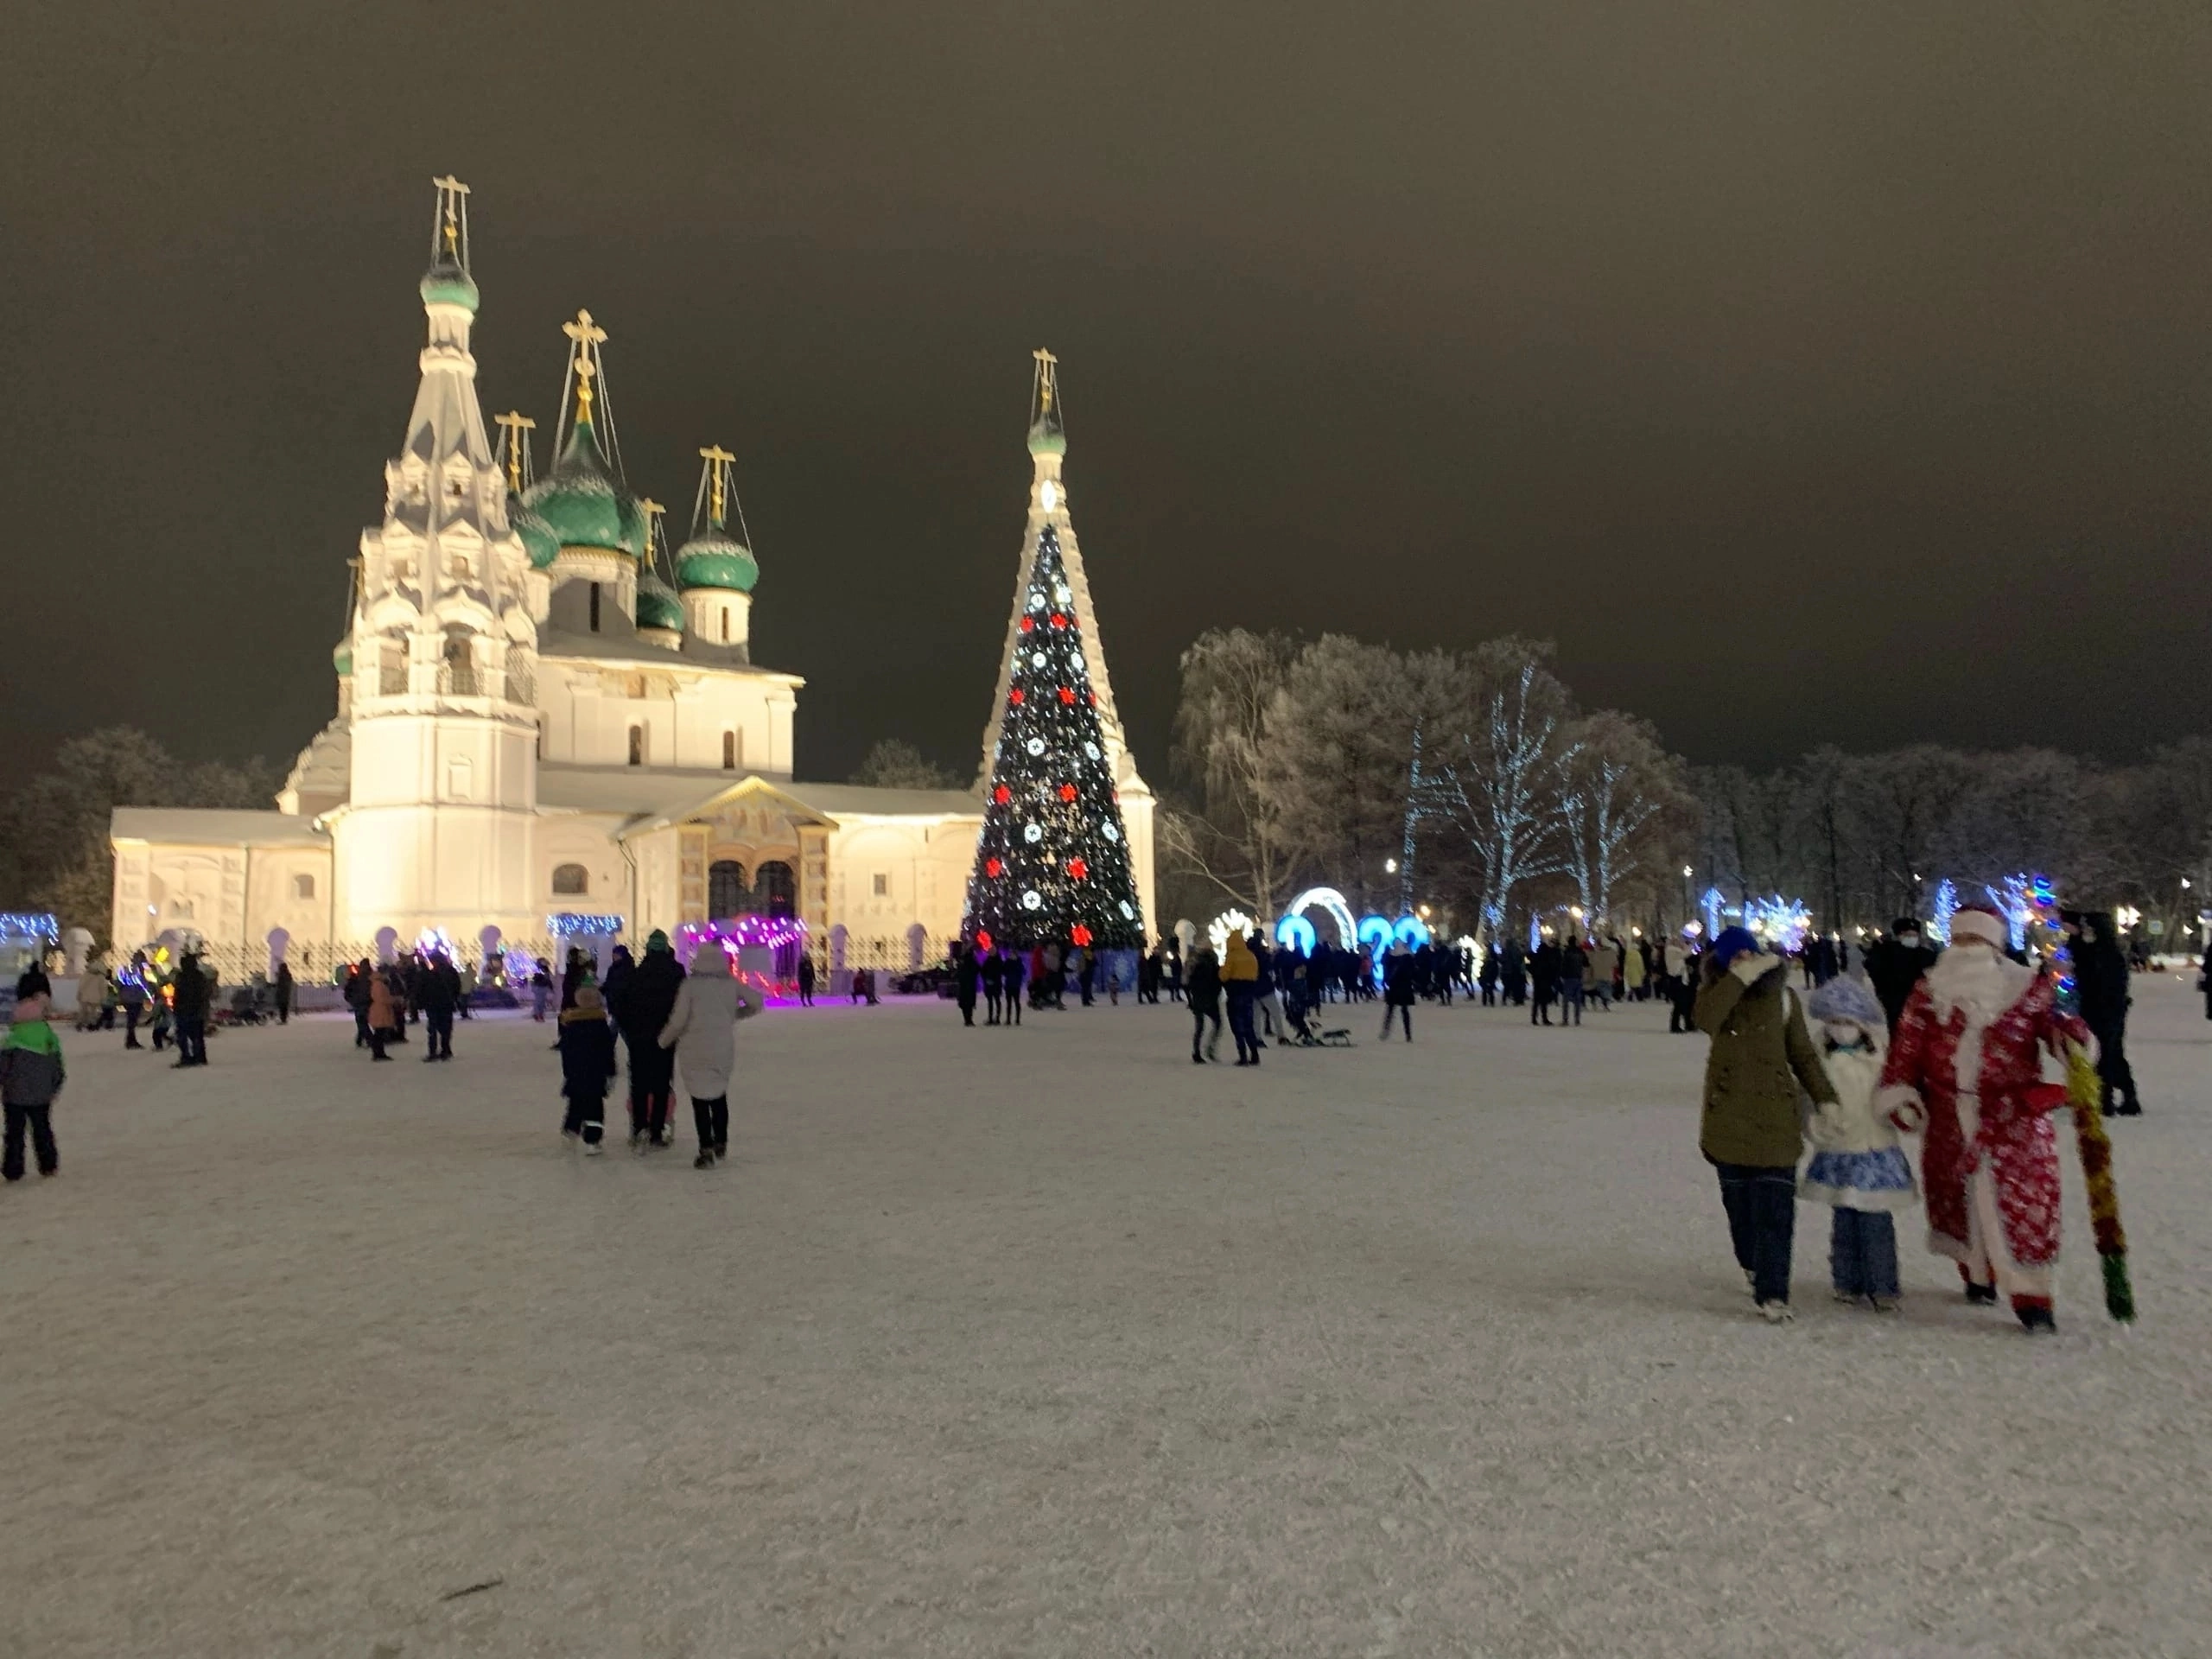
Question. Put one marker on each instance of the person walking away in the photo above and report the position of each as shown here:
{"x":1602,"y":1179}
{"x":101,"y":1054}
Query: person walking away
{"x":1857,"y":1165}
{"x":1749,"y":1131}
{"x":31,"y":1076}
{"x":1573,"y":980}
{"x":640,"y":1003}
{"x":1895,"y":965}
{"x":805,"y":981}
{"x":1174,"y":969}
{"x":1204,"y":998}
{"x":1543,"y":973}
{"x":1240,"y":980}
{"x":1486,"y":979}
{"x":380,"y":1011}
{"x":1011,"y":966}
{"x":1086,"y":971}
{"x":1636,"y":969}
{"x":469,"y":982}
{"x":575,"y":972}
{"x":441,"y":993}
{"x":2102,"y":994}
{"x":134,"y":994}
{"x":587,"y":1045}
{"x":992,"y":973}
{"x":1399,"y":987}
{"x":967,"y":979}
{"x":1598,"y":974}
{"x":282,"y":986}
{"x":1513,"y":973}
{"x":1966,"y":1068}
{"x":1267,"y":990}
{"x":192,"y":996}
{"x":541,"y":990}
{"x":702,"y":1030}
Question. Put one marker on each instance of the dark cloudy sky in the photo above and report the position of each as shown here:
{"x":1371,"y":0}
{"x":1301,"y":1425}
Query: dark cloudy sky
{"x":1809,"y":372}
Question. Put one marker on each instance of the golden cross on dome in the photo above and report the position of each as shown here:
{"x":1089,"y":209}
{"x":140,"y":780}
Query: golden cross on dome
{"x":1044,"y":378}
{"x":588,"y":335}
{"x":450,"y":191}
{"x":717,"y":459}
{"x":517,"y":424}
{"x":653,"y":510}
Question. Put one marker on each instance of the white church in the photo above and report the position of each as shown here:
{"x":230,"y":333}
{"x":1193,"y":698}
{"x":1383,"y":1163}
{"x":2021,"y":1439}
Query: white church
{"x":545,"y":723}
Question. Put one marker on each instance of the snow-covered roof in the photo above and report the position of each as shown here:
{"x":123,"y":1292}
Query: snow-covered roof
{"x":627,"y":648}
{"x":652,"y":798}
{"x":859,"y":800}
{"x":195,"y":826}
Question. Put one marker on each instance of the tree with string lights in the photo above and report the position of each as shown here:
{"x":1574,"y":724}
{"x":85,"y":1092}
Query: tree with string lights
{"x":1052,"y":862}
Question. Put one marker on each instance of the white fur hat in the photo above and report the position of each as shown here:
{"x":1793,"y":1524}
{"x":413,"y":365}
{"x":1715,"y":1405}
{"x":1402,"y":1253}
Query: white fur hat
{"x":1977,"y":922}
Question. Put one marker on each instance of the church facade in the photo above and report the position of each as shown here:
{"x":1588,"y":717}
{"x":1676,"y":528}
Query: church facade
{"x":546,"y":720}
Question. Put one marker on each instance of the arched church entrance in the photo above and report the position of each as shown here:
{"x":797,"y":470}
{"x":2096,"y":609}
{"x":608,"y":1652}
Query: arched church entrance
{"x":776,"y":890}
{"x":726,"y":891}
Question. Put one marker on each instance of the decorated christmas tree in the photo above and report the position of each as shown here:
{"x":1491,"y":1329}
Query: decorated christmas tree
{"x":1052,"y":863}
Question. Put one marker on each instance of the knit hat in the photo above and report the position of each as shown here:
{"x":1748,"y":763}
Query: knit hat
{"x":1732,"y":942}
{"x":656,"y":940}
{"x":587,"y":996}
{"x":1979,"y":922}
{"x":1846,"y":998}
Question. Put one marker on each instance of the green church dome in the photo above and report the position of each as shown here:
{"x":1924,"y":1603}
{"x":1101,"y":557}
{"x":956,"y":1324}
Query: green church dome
{"x":1046,"y":438}
{"x":445,"y":284}
{"x":580,"y":504}
{"x":658,"y":605}
{"x":714,"y":558}
{"x":537,"y":538}
{"x":342,"y":658}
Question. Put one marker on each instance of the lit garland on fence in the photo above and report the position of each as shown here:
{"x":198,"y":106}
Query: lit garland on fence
{"x":29,"y":924}
{"x":568,"y":924}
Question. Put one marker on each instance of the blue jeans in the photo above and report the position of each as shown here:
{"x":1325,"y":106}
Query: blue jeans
{"x":1863,"y":1253}
{"x":1570,"y":999}
{"x":1762,"y":1206}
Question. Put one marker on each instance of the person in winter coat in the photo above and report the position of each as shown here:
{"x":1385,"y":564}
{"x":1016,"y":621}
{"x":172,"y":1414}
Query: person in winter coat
{"x":990,"y":972}
{"x":136,"y":994}
{"x":1598,"y":972}
{"x":1398,"y":977}
{"x":1573,"y":980}
{"x":380,"y":1011}
{"x":805,"y":980}
{"x":541,"y":990}
{"x":702,"y":1030}
{"x":1751,"y":1132}
{"x":1513,"y":973}
{"x":1543,"y":975}
{"x":441,"y":993}
{"x":1203,"y":992}
{"x":1487,"y":976}
{"x":1010,"y":973}
{"x":641,"y":1000}
{"x":587,"y":1045}
{"x":1636,"y":969}
{"x":2102,"y":994}
{"x":195,"y":992}
{"x":1679,"y":985}
{"x":31,"y":1076}
{"x":1857,"y":1165}
{"x":967,"y":980}
{"x":1240,"y":980}
{"x":1895,"y":965}
{"x":282,"y":985}
{"x":574,"y":973}
{"x":1966,"y":1068}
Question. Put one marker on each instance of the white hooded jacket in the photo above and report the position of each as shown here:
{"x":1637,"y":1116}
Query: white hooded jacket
{"x":702,"y":1027}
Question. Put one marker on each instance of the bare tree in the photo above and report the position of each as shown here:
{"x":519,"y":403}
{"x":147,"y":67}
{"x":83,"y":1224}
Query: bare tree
{"x":1617,"y":784}
{"x":1234,"y":684}
{"x":1340,"y":742}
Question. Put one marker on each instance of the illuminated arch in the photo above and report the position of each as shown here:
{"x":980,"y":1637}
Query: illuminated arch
{"x":1332,"y":904}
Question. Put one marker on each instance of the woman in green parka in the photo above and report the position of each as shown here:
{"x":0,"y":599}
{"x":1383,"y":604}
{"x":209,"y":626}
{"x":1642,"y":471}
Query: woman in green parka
{"x":1752,"y":1132}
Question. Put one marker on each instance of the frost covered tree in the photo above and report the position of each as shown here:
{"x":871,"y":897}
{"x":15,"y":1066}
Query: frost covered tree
{"x":1620,"y":787}
{"x":896,"y":763}
{"x":1235,"y":838}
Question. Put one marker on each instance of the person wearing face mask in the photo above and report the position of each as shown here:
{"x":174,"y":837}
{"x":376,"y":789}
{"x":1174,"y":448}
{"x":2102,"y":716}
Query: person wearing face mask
{"x":1857,"y":1165}
{"x":1966,"y":1068}
{"x":1895,"y":964}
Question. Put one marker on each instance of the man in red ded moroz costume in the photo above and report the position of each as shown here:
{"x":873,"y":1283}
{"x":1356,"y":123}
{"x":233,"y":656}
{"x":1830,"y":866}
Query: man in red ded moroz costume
{"x":1966,"y":1067}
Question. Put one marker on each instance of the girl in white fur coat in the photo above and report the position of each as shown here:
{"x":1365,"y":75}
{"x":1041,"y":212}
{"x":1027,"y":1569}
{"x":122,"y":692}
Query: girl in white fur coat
{"x":1857,"y":1165}
{"x":702,"y":1030}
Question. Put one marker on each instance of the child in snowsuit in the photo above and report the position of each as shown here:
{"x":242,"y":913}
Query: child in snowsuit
{"x":1857,"y":1165}
{"x":31,"y":1074}
{"x":587,"y":1066}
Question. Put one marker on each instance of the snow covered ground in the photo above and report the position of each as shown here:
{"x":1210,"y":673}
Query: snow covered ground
{"x":1046,"y":1342}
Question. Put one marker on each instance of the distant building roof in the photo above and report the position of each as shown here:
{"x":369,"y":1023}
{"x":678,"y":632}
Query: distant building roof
{"x":557,"y":642}
{"x":858,"y":800}
{"x":193,"y":826}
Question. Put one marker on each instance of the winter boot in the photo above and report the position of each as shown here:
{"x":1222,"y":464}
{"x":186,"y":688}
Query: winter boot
{"x":2035,"y":1319}
{"x":704,"y":1160}
{"x":1775,"y":1313}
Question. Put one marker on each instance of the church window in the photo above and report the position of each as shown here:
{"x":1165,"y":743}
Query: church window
{"x":636,"y":745}
{"x":726,"y":890}
{"x":461,"y":664}
{"x":392,"y":668}
{"x":882,"y":885}
{"x":725,"y":625}
{"x":594,"y":607}
{"x":303,"y":887}
{"x":729,"y":751}
{"x":776,"y":890}
{"x":569,"y":880}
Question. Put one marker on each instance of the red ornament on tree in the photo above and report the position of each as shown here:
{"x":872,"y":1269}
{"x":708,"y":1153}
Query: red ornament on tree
{"x":1091,"y":697}
{"x":1002,"y":794}
{"x":1027,"y":624}
{"x":1078,"y":868}
{"x":994,"y":867}
{"x":983,"y":940}
{"x":1060,"y":620}
{"x":1067,"y":696}
{"x":1079,"y":933}
{"x":1067,"y":791}
{"x":1016,"y":697}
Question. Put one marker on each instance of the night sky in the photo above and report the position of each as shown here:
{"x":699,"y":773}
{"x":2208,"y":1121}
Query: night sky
{"x":1836,"y":373}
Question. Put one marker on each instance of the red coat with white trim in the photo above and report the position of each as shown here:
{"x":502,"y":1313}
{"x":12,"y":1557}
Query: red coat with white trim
{"x":1921,"y":1090}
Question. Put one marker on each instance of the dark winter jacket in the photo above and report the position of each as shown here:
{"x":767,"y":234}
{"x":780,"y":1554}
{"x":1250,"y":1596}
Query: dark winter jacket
{"x":1761,"y":1055}
{"x":440,"y":987}
{"x":1543,"y":968}
{"x":587,"y":1053}
{"x":642,"y":999}
{"x":31,"y":1071}
{"x":1398,"y":977}
{"x":1204,"y":989}
{"x":192,"y":990}
{"x":1894,"y":969}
